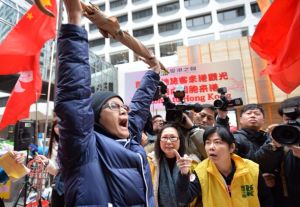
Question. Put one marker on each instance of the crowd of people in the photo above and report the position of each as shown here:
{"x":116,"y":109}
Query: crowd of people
{"x":198,"y":162}
{"x":106,"y":153}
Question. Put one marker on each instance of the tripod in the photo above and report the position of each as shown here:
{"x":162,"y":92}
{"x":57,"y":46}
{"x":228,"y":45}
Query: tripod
{"x":35,"y":181}
{"x":24,"y":187}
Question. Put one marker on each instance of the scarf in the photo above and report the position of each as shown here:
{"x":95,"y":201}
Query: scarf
{"x":167,"y":182}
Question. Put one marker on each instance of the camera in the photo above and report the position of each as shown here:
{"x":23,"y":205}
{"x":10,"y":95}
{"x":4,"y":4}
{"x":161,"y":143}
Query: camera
{"x":174,"y":112}
{"x":223,"y":103}
{"x":160,"y":91}
{"x":288,"y":134}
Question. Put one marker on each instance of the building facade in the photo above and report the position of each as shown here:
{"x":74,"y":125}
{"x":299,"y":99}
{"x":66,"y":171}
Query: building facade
{"x":163,"y":25}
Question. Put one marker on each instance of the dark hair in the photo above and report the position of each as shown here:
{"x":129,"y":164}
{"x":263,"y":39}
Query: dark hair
{"x":53,"y":137}
{"x":211,"y":107}
{"x":252,"y":107}
{"x":223,"y":132}
{"x":158,"y":152}
{"x":289,"y":102}
{"x":156,"y":116}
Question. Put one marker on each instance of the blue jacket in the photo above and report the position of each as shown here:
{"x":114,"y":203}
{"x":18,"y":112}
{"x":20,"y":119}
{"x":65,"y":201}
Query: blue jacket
{"x":97,"y":169}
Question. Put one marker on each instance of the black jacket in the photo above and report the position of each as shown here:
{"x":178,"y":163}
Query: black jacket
{"x":255,"y":146}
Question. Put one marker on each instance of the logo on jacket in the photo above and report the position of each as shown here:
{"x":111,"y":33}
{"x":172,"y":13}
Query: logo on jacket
{"x":247,"y":190}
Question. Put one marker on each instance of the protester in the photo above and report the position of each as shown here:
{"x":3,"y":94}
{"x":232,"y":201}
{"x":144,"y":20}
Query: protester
{"x":52,"y":167}
{"x":223,"y":179}
{"x":163,"y":165}
{"x":103,"y":163}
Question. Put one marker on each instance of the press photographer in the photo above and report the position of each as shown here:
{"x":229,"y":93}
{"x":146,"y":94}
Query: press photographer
{"x":288,"y":134}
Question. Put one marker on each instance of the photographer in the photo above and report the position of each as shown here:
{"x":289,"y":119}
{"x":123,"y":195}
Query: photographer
{"x":288,"y":134}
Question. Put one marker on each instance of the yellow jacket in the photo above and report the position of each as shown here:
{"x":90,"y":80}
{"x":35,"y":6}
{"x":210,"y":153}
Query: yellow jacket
{"x":243,"y":186}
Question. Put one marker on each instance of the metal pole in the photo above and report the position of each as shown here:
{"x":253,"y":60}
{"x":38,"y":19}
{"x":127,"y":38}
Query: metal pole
{"x":59,"y":19}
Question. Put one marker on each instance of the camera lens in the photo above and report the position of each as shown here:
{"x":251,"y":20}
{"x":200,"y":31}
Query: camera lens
{"x":218,"y":104}
{"x":286,"y":134}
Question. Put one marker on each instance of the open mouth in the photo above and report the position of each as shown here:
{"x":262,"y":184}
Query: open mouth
{"x":212,"y":155}
{"x":123,"y":123}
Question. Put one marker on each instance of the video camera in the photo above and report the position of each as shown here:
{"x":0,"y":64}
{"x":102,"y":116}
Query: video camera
{"x":288,"y":134}
{"x":174,"y":112}
{"x":223,"y":103}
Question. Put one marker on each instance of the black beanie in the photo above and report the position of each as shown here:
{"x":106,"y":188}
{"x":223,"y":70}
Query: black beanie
{"x":99,"y":99}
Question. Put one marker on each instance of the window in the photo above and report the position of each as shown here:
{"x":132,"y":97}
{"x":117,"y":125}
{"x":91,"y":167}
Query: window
{"x":96,"y":42}
{"x":141,"y":14}
{"x":93,"y":27}
{"x":119,"y":58}
{"x":143,"y":32}
{"x":231,"y":14}
{"x":174,"y":6}
{"x":170,"y":48}
{"x":170,"y":26}
{"x":8,"y":12}
{"x":118,"y":3}
{"x":236,"y":33}
{"x":137,"y":1}
{"x":102,"y":7}
{"x":150,"y":48}
{"x":123,"y":18}
{"x":189,"y":3}
{"x":254,"y":8}
{"x":202,"y":39}
{"x":198,"y":21}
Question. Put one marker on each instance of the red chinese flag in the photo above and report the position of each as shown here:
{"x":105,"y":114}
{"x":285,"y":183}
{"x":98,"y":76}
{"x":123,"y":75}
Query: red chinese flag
{"x":20,"y":53}
{"x":276,"y":39}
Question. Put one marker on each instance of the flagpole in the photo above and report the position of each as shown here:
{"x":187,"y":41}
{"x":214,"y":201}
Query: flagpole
{"x":59,"y":19}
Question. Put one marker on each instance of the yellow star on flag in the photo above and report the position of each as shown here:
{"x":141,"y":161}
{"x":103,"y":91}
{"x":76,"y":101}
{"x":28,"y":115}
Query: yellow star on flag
{"x":46,"y":2}
{"x":29,"y":16}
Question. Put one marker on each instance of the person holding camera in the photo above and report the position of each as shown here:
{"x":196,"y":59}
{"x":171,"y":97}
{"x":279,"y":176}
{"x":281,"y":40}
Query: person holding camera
{"x":253,"y":143}
{"x":288,"y":134}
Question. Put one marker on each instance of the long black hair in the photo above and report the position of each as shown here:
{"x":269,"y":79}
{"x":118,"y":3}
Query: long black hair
{"x":53,"y":137}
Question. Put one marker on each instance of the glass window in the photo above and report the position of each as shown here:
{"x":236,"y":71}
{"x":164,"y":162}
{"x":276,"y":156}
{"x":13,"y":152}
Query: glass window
{"x":8,"y":12}
{"x":102,"y":7}
{"x":174,"y":6}
{"x":141,"y":14}
{"x":150,"y":48}
{"x":198,"y":21}
{"x":230,"y":14}
{"x":4,"y":29}
{"x":235,"y":33}
{"x":255,"y":8}
{"x":96,"y":42}
{"x":93,"y":28}
{"x":119,"y":58}
{"x":137,"y":1}
{"x":170,"y":48}
{"x":123,"y":18}
{"x":118,"y":3}
{"x":189,"y":3}
{"x":170,"y":26}
{"x":143,"y":32}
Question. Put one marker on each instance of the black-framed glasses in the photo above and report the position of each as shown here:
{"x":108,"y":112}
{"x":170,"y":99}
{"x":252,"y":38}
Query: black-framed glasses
{"x":115,"y":106}
{"x":172,"y":139}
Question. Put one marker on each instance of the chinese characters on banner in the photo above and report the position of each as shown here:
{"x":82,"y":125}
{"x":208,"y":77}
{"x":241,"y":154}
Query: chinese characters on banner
{"x":200,"y":81}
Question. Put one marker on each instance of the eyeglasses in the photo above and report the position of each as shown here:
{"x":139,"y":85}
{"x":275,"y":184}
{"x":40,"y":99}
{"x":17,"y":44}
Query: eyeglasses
{"x":165,"y":139}
{"x":115,"y":106}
